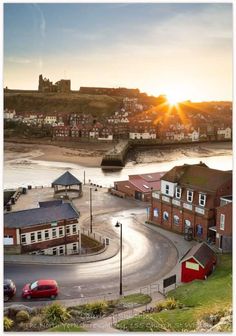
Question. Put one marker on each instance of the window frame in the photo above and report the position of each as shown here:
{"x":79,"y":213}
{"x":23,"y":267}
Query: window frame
{"x":54,"y":233}
{"x":178,"y":190}
{"x":74,"y":229}
{"x":222,"y":222}
{"x":190,"y":200}
{"x":46,"y":237}
{"x":167,"y":189}
{"x":32,"y":240}
{"x":61,"y":231}
{"x":200,"y":199}
{"x":21,"y":241}
{"x":39,"y":233}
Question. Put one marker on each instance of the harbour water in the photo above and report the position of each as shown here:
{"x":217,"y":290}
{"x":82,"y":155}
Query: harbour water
{"x":21,"y":173}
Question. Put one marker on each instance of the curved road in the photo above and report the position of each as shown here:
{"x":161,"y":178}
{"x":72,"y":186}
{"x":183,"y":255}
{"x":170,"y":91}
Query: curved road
{"x":147,"y":257}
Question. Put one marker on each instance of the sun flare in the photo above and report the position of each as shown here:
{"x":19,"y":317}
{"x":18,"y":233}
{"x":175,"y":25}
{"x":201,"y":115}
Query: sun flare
{"x":173,"y":99}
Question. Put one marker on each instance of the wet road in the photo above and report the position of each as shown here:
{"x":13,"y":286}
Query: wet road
{"x":147,"y":256}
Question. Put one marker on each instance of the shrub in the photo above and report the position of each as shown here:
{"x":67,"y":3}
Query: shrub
{"x":37,"y":323}
{"x":8,"y":323}
{"x":96,"y":308}
{"x":169,"y":304}
{"x":55,"y":314}
{"x":22,"y":316}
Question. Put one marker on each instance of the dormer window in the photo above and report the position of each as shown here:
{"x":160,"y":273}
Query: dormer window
{"x":167,"y":189}
{"x":202,"y":199}
{"x":189,"y":196}
{"x":178,"y":192}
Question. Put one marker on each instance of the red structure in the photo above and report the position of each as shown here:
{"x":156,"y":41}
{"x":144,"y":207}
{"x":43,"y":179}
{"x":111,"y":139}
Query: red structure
{"x":197,"y":263}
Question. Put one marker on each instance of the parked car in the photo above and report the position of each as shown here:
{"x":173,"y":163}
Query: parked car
{"x":9,"y":289}
{"x":40,"y":289}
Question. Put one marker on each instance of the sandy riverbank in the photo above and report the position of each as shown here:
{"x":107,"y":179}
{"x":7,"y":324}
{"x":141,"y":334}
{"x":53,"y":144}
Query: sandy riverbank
{"x":90,"y":155}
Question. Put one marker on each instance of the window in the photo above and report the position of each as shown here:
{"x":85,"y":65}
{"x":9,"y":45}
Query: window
{"x":167,"y":189}
{"x":199,"y":230}
{"x":61,"y":231}
{"x":202,"y":199}
{"x":74,"y":247}
{"x":74,"y":229}
{"x":190,"y":196}
{"x":61,"y":250}
{"x":32,"y":237}
{"x":155,"y":212}
{"x":39,"y":236}
{"x":165,"y":216}
{"x":54,"y":251}
{"x":68,"y":230}
{"x":54,"y":233}
{"x":46,"y":234}
{"x":187,"y":223}
{"x":176,"y":220}
{"x":178,"y":192}
{"x":23,"y":239}
{"x":222,"y":221}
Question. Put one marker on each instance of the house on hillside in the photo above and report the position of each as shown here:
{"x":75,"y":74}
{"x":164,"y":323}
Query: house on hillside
{"x":189,"y":198}
{"x":222,"y":232}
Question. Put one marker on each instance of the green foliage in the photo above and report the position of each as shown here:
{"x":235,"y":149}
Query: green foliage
{"x":55,"y":314}
{"x":136,"y":299}
{"x":96,"y":308}
{"x":37,"y":323}
{"x":67,"y":327}
{"x":8,"y":323}
{"x":168,"y":304}
{"x":22,"y":316}
{"x":189,"y":303}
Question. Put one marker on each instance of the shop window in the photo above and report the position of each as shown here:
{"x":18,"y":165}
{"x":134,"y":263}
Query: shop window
{"x":155,"y":212}
{"x":199,"y":230}
{"x":176,"y":220}
{"x":165,"y":216}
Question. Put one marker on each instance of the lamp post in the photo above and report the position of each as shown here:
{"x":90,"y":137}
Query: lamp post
{"x":91,"y":215}
{"x":118,"y":224}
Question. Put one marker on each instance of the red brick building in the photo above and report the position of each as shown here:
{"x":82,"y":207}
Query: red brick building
{"x":52,"y":228}
{"x":188,"y":199}
{"x":223,"y":229}
{"x":139,"y":186}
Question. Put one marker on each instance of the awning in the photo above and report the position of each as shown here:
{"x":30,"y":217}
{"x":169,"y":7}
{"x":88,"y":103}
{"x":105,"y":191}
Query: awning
{"x":212,"y":228}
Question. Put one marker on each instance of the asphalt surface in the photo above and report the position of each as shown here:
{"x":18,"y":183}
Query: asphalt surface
{"x":147,"y":257}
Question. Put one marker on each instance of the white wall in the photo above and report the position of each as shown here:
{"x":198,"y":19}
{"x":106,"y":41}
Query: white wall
{"x":171,"y":188}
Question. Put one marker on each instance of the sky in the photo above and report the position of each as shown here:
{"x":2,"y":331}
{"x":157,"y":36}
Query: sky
{"x":183,"y":50}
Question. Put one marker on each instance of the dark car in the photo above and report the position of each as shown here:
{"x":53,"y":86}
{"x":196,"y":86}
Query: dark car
{"x":9,"y":289}
{"x":40,"y":289}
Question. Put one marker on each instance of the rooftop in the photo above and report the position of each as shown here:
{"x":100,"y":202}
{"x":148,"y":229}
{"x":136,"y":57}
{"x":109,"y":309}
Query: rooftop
{"x":202,"y":253}
{"x":66,"y":179}
{"x":36,"y":216}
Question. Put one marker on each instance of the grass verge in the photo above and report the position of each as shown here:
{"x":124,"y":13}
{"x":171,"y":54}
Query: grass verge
{"x":199,"y":298}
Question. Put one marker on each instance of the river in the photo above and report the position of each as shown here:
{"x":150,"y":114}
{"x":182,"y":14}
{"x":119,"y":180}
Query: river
{"x":24,"y":172}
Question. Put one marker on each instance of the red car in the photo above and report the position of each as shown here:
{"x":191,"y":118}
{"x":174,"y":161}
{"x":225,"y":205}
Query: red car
{"x":40,"y":289}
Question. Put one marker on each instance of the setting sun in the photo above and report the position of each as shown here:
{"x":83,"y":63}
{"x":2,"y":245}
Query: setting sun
{"x":172,"y":99}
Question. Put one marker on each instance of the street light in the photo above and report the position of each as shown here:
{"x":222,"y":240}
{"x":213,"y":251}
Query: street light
{"x":91,"y":215}
{"x":120,"y":225}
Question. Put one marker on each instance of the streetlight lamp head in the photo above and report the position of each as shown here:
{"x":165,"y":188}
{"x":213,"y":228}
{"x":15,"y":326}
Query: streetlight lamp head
{"x":117,"y":224}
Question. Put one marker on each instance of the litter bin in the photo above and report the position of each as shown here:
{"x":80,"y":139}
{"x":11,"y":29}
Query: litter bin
{"x":29,"y":187}
{"x":24,"y":191}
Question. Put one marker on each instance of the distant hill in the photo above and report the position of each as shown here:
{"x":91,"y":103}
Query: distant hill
{"x":52,"y":103}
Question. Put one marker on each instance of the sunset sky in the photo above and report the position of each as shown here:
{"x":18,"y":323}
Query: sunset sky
{"x":182,"y":50}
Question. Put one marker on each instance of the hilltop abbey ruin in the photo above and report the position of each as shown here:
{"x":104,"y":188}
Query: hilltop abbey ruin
{"x":45,"y":85}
